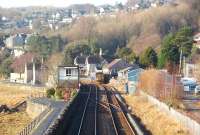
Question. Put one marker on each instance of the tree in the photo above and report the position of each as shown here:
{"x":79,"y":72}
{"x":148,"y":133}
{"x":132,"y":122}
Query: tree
{"x":127,"y":54}
{"x":75,"y":49}
{"x":57,"y":44}
{"x":184,"y":40}
{"x":169,"y":52}
{"x":123,"y":52}
{"x":45,"y":46}
{"x":5,"y":67}
{"x":148,"y":58}
{"x":173,"y":45}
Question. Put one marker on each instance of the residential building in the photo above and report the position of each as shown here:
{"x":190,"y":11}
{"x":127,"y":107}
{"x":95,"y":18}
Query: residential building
{"x":123,"y":73}
{"x":115,"y":66}
{"x":89,"y":65}
{"x":81,"y":62}
{"x":26,"y":70}
{"x":15,"y":41}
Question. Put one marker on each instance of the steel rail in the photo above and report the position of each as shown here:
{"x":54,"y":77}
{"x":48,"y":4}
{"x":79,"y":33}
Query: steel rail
{"x":122,"y":112}
{"x":96,"y":103}
{"x":85,"y":108}
{"x":111,"y":114}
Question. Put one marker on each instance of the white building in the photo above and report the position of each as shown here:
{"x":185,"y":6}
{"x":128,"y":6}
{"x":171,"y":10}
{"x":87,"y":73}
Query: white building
{"x":89,"y":65}
{"x":26,"y":70}
{"x":14,"y":41}
{"x":18,"y":52}
{"x":68,"y":76}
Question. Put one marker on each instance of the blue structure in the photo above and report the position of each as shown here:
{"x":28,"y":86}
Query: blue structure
{"x":133,"y":77}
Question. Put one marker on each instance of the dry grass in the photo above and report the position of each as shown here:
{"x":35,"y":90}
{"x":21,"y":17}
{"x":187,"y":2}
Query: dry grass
{"x":157,"y":122}
{"x":154,"y":120}
{"x":13,"y":94}
{"x":12,"y":124}
{"x":160,"y":84}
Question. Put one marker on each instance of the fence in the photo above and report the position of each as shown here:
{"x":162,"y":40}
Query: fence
{"x":192,"y":125}
{"x":27,"y":130}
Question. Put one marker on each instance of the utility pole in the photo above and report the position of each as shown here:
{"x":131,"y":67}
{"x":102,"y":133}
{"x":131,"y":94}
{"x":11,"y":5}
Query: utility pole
{"x":180,"y":64}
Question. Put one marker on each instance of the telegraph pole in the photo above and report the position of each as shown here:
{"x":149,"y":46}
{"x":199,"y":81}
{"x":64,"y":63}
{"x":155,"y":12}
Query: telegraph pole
{"x":180,"y":64}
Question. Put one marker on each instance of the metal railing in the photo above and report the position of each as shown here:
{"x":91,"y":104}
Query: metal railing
{"x":27,"y":130}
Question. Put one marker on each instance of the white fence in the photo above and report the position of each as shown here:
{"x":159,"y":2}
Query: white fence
{"x":193,"y":126}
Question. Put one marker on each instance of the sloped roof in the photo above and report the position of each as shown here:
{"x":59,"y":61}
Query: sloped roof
{"x":80,"y":59}
{"x":94,"y":59}
{"x":118,"y":63}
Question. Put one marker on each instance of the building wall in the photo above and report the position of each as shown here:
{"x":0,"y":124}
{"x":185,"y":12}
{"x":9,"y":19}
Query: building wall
{"x":70,"y":81}
{"x":18,"y":52}
{"x":62,"y":74}
{"x":13,"y":41}
{"x":35,"y":109}
{"x":16,"y":77}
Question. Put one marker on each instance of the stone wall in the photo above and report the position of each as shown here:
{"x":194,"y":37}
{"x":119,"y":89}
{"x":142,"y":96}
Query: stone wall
{"x":192,"y":125}
{"x":34,"y":109}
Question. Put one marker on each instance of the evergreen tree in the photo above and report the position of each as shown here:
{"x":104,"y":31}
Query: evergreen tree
{"x":148,"y":58}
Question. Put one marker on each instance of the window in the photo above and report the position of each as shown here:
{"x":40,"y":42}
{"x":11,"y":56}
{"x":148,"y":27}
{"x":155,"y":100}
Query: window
{"x":68,"y":72}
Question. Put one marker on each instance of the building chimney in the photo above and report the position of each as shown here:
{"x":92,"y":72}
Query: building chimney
{"x":100,"y":52}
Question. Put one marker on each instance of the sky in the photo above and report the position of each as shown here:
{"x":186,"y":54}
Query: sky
{"x":55,"y":3}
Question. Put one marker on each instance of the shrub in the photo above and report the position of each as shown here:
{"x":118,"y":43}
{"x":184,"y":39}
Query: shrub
{"x":58,"y":94}
{"x":73,"y":93}
{"x":50,"y":92}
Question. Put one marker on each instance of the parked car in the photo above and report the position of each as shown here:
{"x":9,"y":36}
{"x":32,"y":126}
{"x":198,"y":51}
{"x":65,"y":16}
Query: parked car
{"x":189,"y":84}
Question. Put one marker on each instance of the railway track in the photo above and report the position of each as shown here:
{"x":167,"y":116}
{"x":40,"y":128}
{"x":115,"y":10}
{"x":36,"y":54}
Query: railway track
{"x":96,"y":111}
{"x":122,"y":124}
{"x":88,"y":120}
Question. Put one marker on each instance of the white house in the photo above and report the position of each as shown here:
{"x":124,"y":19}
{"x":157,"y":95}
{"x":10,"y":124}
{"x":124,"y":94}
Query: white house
{"x":18,"y":52}
{"x":90,"y":65}
{"x":68,"y":76}
{"x":26,"y":70}
{"x":81,"y":62}
{"x":15,"y":41}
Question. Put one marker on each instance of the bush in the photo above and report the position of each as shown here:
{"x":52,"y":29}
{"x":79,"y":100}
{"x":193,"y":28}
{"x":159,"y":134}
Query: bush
{"x":58,"y":94}
{"x":50,"y":92}
{"x":73,"y":93}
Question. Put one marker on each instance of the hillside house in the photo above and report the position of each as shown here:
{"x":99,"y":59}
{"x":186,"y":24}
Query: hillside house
{"x":15,"y":41}
{"x":89,"y":65}
{"x":115,"y":66}
{"x":81,"y":62}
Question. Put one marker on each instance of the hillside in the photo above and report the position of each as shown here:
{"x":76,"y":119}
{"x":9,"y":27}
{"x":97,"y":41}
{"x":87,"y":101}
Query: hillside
{"x":137,"y":30}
